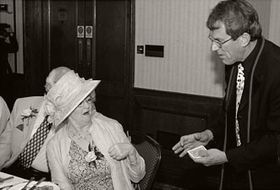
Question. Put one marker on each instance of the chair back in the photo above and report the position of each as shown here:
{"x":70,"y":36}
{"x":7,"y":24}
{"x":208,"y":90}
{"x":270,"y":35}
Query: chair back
{"x":150,"y":150}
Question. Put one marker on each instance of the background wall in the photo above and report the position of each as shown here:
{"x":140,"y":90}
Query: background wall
{"x":188,"y":66}
{"x":274,"y":24}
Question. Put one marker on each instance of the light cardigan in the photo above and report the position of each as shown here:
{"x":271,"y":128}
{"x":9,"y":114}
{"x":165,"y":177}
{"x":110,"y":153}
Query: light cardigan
{"x":105,"y":132}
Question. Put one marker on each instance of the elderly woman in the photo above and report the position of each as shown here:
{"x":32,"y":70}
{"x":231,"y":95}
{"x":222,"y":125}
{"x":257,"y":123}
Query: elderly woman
{"x":90,"y":151}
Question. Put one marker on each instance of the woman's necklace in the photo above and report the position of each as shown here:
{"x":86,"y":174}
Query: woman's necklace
{"x":82,"y":138}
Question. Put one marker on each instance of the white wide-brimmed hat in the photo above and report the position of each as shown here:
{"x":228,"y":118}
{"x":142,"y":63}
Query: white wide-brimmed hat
{"x":66,"y":94}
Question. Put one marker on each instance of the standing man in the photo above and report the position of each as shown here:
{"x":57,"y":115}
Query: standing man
{"x":251,"y":119}
{"x":23,"y":143}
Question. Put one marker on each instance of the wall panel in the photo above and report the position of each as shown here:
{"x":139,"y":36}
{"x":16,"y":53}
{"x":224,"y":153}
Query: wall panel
{"x":166,"y":117}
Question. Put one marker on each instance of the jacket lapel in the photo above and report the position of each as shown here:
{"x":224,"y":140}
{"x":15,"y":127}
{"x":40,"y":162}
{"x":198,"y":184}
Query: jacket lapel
{"x":244,"y":101}
{"x":230,"y":87}
{"x":257,"y":78}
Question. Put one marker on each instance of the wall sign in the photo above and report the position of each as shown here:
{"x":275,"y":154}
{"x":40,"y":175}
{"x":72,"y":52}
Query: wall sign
{"x":80,"y":32}
{"x":89,"y":32}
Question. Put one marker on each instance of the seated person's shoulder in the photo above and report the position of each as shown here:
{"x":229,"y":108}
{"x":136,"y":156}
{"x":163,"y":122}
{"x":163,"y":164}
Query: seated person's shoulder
{"x":106,"y":120}
{"x":60,"y":136}
{"x":102,"y":117}
{"x":32,"y":101}
{"x":3,"y":103}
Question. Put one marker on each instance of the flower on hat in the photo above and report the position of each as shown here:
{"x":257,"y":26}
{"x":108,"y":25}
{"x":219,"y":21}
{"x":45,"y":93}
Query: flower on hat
{"x":52,"y":111}
{"x":28,"y":113}
{"x":49,"y":110}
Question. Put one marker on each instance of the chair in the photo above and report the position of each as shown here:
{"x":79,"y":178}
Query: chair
{"x":150,"y":150}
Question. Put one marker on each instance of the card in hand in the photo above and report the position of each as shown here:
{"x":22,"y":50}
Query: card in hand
{"x":198,"y":152}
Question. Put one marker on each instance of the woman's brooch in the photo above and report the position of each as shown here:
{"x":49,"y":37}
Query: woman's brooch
{"x":93,"y":155}
{"x":28,"y":113}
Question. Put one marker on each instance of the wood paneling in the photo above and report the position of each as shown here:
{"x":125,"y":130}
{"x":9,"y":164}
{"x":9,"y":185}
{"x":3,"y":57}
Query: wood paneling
{"x":166,"y":116}
{"x":35,"y":62}
{"x":113,"y":57}
{"x":194,"y":113}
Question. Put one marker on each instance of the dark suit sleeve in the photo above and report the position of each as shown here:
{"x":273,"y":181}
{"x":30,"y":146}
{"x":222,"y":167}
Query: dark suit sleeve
{"x":217,"y":126}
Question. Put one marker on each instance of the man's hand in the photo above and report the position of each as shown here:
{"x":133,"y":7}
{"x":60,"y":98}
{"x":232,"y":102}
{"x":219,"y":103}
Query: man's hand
{"x":214,"y":157}
{"x":191,"y":141}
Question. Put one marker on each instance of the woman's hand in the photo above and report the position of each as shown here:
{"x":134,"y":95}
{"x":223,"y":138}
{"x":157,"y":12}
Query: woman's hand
{"x":121,"y":151}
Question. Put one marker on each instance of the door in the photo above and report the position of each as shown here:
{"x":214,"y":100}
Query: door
{"x":70,"y":35}
{"x":93,"y":37}
{"x":114,"y":58}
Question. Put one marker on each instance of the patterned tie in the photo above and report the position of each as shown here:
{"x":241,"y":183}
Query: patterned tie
{"x":34,"y":145}
{"x":239,"y":90}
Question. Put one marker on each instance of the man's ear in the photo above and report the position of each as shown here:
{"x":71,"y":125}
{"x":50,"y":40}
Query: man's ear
{"x":244,"y":39}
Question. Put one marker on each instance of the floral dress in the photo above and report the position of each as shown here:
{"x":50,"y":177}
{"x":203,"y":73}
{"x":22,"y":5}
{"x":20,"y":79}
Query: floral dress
{"x":84,"y":175}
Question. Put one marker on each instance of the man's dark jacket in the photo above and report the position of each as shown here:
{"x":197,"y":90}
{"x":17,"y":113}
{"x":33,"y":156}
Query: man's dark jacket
{"x":261,"y":151}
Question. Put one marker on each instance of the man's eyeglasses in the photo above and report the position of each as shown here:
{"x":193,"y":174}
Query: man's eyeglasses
{"x":218,"y":43}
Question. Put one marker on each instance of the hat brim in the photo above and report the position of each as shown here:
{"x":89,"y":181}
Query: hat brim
{"x":86,"y":89}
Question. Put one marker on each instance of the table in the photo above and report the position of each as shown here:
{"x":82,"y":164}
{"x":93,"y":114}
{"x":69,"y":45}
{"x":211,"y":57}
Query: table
{"x":14,"y":181}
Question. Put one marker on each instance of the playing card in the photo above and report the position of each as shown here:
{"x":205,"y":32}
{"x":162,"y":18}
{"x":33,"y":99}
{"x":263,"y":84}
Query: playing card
{"x":198,"y":152}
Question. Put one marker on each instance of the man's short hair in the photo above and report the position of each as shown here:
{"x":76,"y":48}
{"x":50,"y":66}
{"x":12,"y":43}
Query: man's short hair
{"x":239,"y":16}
